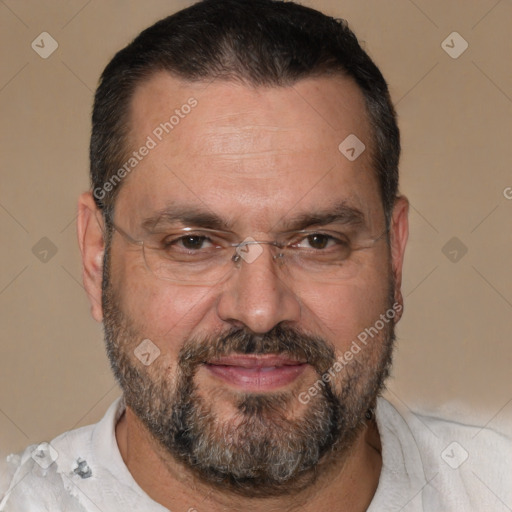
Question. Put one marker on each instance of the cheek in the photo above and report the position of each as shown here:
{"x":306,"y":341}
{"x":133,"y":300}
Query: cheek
{"x":160,"y":310}
{"x":342,"y":311}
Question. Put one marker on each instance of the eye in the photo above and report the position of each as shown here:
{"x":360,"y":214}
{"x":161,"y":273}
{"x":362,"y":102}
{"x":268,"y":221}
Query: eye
{"x":322,"y":247}
{"x":318,"y":241}
{"x":189,"y":242}
{"x":193,"y":242}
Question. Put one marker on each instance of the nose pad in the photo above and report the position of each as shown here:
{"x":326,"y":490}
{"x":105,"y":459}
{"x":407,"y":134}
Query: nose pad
{"x":256,"y":295}
{"x":279,"y":258}
{"x":249,"y":250}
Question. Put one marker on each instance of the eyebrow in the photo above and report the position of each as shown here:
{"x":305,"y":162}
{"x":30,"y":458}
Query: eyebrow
{"x":342,"y":213}
{"x":186,"y":215}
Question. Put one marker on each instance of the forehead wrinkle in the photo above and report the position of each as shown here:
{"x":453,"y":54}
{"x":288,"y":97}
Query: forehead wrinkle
{"x":236,"y":156}
{"x":239,"y":123}
{"x":244,"y":142}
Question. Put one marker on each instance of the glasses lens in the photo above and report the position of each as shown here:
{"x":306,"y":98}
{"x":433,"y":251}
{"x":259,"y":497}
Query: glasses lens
{"x":190,"y":264}
{"x":205,"y":260}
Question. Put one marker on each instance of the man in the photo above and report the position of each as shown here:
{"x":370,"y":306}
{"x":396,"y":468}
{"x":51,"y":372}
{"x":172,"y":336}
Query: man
{"x":242,"y":244}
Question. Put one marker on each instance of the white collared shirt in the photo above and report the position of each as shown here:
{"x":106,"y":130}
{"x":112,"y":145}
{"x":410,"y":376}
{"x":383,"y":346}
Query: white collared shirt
{"x":429,"y":465}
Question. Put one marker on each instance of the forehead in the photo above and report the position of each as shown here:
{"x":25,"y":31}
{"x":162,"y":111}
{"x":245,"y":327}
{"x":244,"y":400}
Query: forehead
{"x":258,"y":153}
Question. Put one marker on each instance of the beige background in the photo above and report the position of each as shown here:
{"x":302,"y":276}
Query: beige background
{"x":454,"y":352}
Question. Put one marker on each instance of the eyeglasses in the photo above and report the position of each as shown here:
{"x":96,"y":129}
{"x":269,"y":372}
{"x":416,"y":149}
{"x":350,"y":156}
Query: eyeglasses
{"x":206,"y":256}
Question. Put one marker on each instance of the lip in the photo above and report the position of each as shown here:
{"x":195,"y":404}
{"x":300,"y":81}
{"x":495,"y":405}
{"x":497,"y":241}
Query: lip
{"x":266,"y":372}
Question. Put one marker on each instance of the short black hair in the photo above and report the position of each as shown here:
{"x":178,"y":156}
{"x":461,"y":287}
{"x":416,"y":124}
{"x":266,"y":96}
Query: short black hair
{"x":258,"y":42}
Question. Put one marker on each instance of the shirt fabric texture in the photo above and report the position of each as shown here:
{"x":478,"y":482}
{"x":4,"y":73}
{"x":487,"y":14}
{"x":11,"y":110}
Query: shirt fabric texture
{"x":429,"y":465}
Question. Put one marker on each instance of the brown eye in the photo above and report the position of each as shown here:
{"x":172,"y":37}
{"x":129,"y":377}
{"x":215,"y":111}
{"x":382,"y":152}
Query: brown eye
{"x":187,"y":243}
{"x":319,"y":241}
{"x":193,"y":242}
{"x":323,"y":245}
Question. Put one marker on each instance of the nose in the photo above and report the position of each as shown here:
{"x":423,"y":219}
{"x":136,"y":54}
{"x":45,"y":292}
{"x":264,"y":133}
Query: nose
{"x":258,"y":296}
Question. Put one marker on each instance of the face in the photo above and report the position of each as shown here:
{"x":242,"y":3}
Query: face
{"x":235,"y":355}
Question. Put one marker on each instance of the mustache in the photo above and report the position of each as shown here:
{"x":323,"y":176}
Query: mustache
{"x":281,"y":340}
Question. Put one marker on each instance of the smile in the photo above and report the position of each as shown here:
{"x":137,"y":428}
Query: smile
{"x":256,"y":372}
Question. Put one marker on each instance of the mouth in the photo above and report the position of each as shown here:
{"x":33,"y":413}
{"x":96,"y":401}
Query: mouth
{"x":268,"y":372}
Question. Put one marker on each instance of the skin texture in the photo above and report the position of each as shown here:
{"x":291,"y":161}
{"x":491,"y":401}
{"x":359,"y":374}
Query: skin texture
{"x":256,"y":157}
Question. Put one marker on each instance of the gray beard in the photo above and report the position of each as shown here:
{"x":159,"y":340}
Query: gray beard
{"x":261,"y":451}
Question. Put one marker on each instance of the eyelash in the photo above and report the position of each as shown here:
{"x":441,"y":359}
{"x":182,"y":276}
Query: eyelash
{"x":337,"y":239}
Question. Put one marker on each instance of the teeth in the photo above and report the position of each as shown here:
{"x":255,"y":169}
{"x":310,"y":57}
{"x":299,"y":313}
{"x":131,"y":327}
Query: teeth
{"x":268,"y":368}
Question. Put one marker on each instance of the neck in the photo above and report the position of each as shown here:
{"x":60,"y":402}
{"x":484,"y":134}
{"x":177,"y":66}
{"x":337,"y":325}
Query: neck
{"x":346,"y":484}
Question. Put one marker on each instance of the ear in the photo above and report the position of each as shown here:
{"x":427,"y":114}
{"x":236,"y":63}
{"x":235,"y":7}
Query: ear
{"x":399,"y":233}
{"x":92,"y":247}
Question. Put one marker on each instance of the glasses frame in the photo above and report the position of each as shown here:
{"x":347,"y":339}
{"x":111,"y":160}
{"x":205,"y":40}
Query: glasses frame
{"x":236,"y":257}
